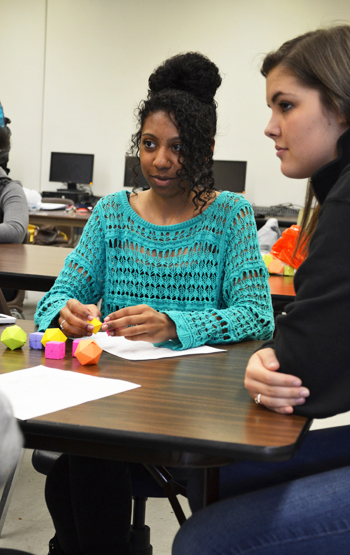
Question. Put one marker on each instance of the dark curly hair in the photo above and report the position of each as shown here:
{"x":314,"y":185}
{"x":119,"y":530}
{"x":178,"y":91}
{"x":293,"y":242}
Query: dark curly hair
{"x":184,"y":87}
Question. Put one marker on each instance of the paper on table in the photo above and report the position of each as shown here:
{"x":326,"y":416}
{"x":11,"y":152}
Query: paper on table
{"x":41,"y":390}
{"x":142,"y":350}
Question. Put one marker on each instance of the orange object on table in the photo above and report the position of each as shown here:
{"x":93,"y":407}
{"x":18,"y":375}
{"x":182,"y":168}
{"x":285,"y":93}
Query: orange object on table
{"x":284,"y":247}
{"x":88,"y":352}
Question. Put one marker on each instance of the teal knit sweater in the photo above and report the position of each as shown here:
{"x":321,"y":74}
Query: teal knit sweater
{"x":207,"y":273}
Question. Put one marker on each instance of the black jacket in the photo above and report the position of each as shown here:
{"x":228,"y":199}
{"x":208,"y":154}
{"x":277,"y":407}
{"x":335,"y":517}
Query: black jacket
{"x":313,"y":338}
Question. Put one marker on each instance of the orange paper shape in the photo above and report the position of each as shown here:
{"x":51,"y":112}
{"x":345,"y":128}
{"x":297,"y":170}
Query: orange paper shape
{"x":88,"y":352}
{"x":276,"y":267}
{"x":53,"y":334}
{"x":96,"y":323}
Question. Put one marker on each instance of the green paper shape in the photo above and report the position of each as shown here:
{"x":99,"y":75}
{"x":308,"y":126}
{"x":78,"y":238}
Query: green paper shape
{"x":288,"y":270}
{"x":13,"y":337}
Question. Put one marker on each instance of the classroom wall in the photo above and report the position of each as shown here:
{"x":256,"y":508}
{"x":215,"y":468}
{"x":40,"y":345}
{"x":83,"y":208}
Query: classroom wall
{"x":73,"y":72}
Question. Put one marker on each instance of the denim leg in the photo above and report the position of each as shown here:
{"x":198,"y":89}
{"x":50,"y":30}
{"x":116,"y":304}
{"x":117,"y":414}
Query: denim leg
{"x":305,"y":516}
{"x":321,"y":450}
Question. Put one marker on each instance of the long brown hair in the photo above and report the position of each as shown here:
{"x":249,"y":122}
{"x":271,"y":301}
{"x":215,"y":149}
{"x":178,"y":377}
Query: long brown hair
{"x":320,"y":60}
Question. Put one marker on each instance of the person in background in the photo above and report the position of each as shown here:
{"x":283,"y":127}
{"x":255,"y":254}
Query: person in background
{"x":10,"y":439}
{"x":13,"y":202}
{"x":177,"y":265}
{"x":300,"y":506}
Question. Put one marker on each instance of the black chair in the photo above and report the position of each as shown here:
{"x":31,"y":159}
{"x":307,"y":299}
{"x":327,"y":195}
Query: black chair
{"x":147,"y":481}
{"x":15,"y":306}
{"x":69,"y":231}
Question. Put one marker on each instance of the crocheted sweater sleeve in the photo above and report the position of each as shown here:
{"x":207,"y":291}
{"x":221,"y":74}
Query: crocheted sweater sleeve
{"x":207,"y":273}
{"x":82,"y":277}
{"x":244,"y":310}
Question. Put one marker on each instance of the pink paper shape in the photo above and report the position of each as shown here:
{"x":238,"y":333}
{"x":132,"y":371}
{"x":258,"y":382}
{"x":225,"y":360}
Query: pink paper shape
{"x":55,"y":349}
{"x":75,"y":345}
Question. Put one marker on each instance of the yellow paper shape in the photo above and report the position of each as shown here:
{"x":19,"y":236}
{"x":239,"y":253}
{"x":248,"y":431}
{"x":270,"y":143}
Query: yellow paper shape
{"x":267,"y":258}
{"x":53,"y":334}
{"x":96,"y":323}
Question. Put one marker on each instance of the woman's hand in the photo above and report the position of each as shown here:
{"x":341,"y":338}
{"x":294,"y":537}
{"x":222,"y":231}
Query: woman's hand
{"x":278,"y":392}
{"x":140,"y":323}
{"x":73,"y":319}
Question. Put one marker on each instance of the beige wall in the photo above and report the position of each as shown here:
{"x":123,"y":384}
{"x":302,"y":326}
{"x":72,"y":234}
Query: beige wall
{"x":73,"y":72}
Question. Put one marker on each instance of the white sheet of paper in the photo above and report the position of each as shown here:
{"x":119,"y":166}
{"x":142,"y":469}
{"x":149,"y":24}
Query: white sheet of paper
{"x":42,"y":390}
{"x":142,"y":350}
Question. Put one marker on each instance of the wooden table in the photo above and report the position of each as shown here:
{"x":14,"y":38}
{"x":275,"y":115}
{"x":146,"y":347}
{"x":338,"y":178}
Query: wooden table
{"x":282,"y":287}
{"x":191,"y":410}
{"x":35,"y":267}
{"x":32,"y":267}
{"x":59,"y":218}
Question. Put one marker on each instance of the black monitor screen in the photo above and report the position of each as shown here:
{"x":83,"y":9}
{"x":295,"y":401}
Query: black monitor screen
{"x":129,"y":181}
{"x":229,"y":175}
{"x":71,"y":168}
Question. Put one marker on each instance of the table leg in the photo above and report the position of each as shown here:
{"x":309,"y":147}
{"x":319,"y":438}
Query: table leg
{"x":211,"y":485}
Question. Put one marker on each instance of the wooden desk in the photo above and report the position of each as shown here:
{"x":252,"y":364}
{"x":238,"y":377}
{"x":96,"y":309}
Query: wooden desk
{"x":32,"y":267}
{"x":59,"y":218}
{"x":191,"y":410}
{"x":282,"y":287}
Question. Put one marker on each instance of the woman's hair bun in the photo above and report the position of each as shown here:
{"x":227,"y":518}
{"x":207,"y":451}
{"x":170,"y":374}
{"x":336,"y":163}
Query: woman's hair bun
{"x":191,"y":72}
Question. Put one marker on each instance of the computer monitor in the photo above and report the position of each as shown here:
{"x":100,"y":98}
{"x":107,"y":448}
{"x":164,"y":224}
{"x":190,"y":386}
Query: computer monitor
{"x":71,"y":168}
{"x":230,"y":175}
{"x":129,"y":181}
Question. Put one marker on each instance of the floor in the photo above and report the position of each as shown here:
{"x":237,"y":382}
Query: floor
{"x":28,"y":525}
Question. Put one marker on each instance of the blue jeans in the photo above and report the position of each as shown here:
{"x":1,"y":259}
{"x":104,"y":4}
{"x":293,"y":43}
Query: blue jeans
{"x":298,"y":506}
{"x":307,"y":516}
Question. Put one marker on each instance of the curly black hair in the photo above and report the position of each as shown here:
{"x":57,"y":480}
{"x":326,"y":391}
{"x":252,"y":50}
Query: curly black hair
{"x":184,"y":87}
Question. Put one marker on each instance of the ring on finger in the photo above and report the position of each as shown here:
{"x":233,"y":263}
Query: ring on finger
{"x":258,"y":399}
{"x":61,"y":325}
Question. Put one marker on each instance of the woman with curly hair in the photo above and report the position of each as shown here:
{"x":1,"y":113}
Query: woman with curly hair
{"x":177,"y":265}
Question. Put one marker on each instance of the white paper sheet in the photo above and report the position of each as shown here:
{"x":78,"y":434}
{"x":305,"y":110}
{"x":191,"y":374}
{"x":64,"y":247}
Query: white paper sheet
{"x":142,"y":350}
{"x":41,"y":390}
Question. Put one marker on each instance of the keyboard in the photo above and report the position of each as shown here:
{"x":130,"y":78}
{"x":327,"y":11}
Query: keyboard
{"x":276,"y":210}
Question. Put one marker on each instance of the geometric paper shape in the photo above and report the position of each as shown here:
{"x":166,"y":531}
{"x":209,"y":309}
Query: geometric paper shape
{"x":35,"y":340}
{"x":75,"y":345}
{"x":53,"y":334}
{"x":96,"y":323}
{"x":267,"y":258}
{"x":55,"y":349}
{"x":88,"y":352}
{"x":276,"y":267}
{"x":13,"y":337}
{"x":288,"y":270}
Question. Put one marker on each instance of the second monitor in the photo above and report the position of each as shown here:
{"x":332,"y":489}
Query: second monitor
{"x":229,"y":175}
